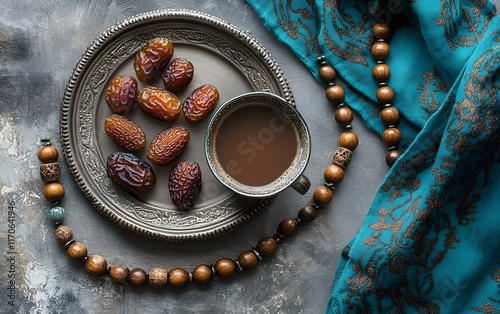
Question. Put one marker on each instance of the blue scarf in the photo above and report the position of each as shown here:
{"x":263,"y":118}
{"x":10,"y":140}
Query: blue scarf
{"x":431,"y":239}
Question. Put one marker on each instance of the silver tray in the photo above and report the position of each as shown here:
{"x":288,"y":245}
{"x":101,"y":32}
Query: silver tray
{"x":223,"y":55}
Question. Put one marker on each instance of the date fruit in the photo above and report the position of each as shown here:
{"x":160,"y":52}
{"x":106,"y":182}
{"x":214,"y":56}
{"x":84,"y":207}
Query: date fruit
{"x":168,"y":145}
{"x":124,"y":132}
{"x":151,"y":60}
{"x":121,"y":94}
{"x":160,"y":104}
{"x":184,"y":183}
{"x":200,"y":103}
{"x":178,"y":75}
{"x":130,"y":173}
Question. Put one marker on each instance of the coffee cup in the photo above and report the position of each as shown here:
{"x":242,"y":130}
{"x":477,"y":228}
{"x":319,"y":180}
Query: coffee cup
{"x":257,"y":144}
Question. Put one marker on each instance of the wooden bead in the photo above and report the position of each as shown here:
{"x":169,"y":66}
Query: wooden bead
{"x":389,"y":115}
{"x":178,"y":277}
{"x":158,"y":277}
{"x":48,"y":154}
{"x":53,"y":192}
{"x":327,"y":73}
{"x":96,"y":265}
{"x":349,"y":140}
{"x":380,"y":51}
{"x":202,"y":274}
{"x":267,"y":246}
{"x":334,"y":174}
{"x":392,"y":136}
{"x":385,"y":95}
{"x":248,"y":260}
{"x":137,"y":277}
{"x":77,"y":251}
{"x":225,"y":267}
{"x":381,"y":73}
{"x":322,"y":195}
{"x":391,"y":157}
{"x":119,"y":273}
{"x":381,"y":31}
{"x":64,"y":234}
{"x":335,"y":94}
{"x":288,"y":227}
{"x":307,"y":214}
{"x":342,"y":157}
{"x":50,"y":172}
{"x":344,"y":115}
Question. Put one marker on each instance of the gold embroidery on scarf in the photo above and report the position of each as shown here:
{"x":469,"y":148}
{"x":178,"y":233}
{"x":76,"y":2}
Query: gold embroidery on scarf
{"x":454,"y":16}
{"x":342,"y":23}
{"x":488,"y":307}
{"x":428,"y":95}
{"x":299,"y":29}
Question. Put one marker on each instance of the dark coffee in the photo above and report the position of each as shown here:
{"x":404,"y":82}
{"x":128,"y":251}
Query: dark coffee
{"x":255,"y":146}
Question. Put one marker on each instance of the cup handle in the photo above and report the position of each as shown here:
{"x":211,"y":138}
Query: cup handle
{"x":302,"y":184}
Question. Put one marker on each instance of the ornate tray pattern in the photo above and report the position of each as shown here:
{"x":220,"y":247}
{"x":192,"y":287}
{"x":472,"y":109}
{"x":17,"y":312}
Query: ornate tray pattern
{"x":234,"y":61}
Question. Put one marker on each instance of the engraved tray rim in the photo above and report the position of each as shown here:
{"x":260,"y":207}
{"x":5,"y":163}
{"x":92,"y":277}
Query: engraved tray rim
{"x":71,"y":137}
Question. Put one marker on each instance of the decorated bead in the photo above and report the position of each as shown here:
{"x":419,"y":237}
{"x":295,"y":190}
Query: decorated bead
{"x":267,"y":246}
{"x":380,"y":51}
{"x":63,"y":234}
{"x":381,"y":31}
{"x":381,"y":73}
{"x":178,"y":277}
{"x":288,"y":227}
{"x":344,"y":115}
{"x":53,"y":191}
{"x":119,"y":273}
{"x":334,"y":174}
{"x":202,"y":274}
{"x":322,"y":195}
{"x":389,"y":115}
{"x":48,"y":154}
{"x":248,"y":260}
{"x":335,"y":94}
{"x":50,"y":172}
{"x":137,"y":277}
{"x":391,"y":157}
{"x":158,"y":277}
{"x":349,"y":140}
{"x":307,"y":214}
{"x":392,"y":136}
{"x":225,"y":267}
{"x":385,"y":95}
{"x":56,"y":213}
{"x":342,"y":157}
{"x":77,"y":251}
{"x":327,"y":73}
{"x":96,"y":265}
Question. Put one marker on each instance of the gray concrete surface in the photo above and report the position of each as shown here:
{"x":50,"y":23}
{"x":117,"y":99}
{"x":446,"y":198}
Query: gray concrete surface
{"x":40,"y":43}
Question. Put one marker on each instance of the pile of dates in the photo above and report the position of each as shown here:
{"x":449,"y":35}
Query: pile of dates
{"x":152,"y":63}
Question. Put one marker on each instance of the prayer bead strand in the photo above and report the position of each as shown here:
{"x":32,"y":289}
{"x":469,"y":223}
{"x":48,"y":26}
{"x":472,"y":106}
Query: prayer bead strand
{"x":158,"y":277}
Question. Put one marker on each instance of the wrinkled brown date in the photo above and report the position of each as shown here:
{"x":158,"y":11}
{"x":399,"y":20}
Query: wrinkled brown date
{"x":151,"y":60}
{"x":124,"y":132}
{"x":121,"y":94}
{"x":168,"y":145}
{"x":200,"y":103}
{"x":184,"y":183}
{"x":178,"y":75}
{"x":160,"y":104}
{"x":130,"y":173}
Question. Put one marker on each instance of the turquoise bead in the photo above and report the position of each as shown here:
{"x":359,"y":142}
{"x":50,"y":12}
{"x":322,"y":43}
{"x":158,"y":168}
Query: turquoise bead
{"x":56,"y":213}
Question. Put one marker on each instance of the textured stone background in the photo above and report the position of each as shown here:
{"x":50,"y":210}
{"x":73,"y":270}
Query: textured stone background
{"x":40,"y":43}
